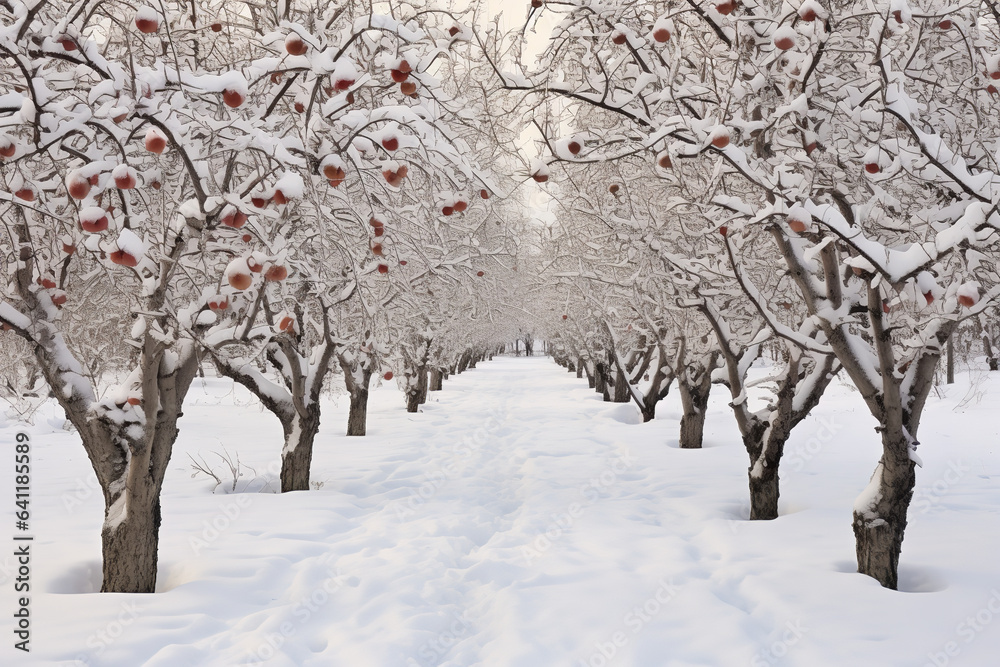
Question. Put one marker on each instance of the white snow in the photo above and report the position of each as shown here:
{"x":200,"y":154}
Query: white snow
{"x":517,"y":520}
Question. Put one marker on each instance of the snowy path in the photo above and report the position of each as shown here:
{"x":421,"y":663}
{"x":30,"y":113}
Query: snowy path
{"x":519,"y":521}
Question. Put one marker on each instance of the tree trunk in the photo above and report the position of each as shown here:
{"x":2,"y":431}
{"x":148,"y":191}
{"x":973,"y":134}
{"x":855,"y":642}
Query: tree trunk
{"x":621,"y":387}
{"x":694,"y":400}
{"x":991,"y":357}
{"x":880,"y":512}
{"x":296,"y":457}
{"x":435,"y":380}
{"x":357,"y":418}
{"x":600,"y":380}
{"x":416,"y":389}
{"x":422,"y":385}
{"x":129,"y":548}
{"x":951,"y":360}
{"x":579,"y":367}
{"x":570,"y":366}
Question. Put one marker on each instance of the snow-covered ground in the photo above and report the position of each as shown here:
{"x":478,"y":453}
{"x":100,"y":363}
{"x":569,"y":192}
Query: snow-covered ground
{"x":519,"y":521}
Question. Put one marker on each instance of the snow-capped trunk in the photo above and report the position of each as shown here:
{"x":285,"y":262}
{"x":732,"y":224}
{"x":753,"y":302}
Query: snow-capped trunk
{"x":130,"y":538}
{"x":579,"y":367}
{"x":880,"y":512}
{"x":435,"y":381}
{"x":621,"y":394}
{"x":694,"y":385}
{"x":296,"y":456}
{"x":357,"y":417}
{"x":765,"y":458}
{"x":416,"y":389}
{"x":600,"y":379}
{"x":358,"y":369}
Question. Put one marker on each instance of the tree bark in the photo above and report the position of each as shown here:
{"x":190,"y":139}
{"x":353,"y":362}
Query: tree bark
{"x":579,"y":367}
{"x":694,"y":388}
{"x":435,"y":380}
{"x":600,"y":379}
{"x":765,"y":459}
{"x":296,"y":457}
{"x":621,"y":394}
{"x":357,"y":417}
{"x":880,"y":517}
{"x":129,"y":548}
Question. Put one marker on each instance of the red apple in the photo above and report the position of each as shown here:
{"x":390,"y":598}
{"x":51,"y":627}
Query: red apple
{"x":784,"y":42}
{"x":232,"y":98}
{"x":276,"y":273}
{"x":484,"y":193}
{"x":661,"y":35}
{"x":618,"y":37}
{"x":447,"y":210}
{"x":68,"y":44}
{"x":299,"y":107}
{"x":155,"y":141}
{"x":383,"y":268}
{"x":408,"y":88}
{"x":390,"y":143}
{"x":279,"y":197}
{"x":377,"y":250}
{"x":147,"y":25}
{"x":726,"y":7}
{"x":68,"y":248}
{"x":234,"y":218}
{"x":872,"y":168}
{"x":664,"y":160}
{"x":480,"y":273}
{"x":286,"y":323}
{"x":454,"y":30}
{"x":720,"y":139}
{"x":124,"y":178}
{"x":94,"y":223}
{"x":796,"y":224}
{"x":343,"y":84}
{"x":7,"y":148}
{"x":402,"y":262}
{"x":723,"y":230}
{"x":945,"y":24}
{"x":254,"y":265}
{"x":573,"y":147}
{"x":613,"y":189}
{"x":59,"y":297}
{"x":216,"y":27}
{"x":399,"y":76}
{"x":27,"y":194}
{"x":461,"y":205}
{"x":294,"y":45}
{"x":47,"y":282}
{"x":388,"y":375}
{"x":77,"y":185}
{"x":123,"y":258}
{"x":540,"y":177}
{"x":929,"y":298}
{"x":240,"y":281}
